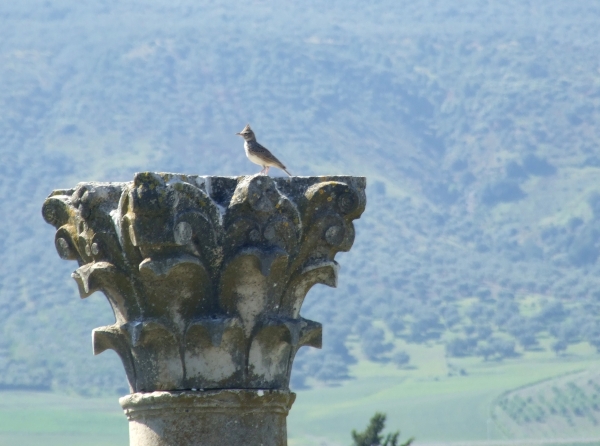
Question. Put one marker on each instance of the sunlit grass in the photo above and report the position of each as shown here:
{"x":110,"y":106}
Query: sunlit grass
{"x":28,"y":418}
{"x":422,"y":401}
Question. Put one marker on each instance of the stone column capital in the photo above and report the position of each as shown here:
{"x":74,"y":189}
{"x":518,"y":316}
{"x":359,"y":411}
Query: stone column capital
{"x":206,"y":275}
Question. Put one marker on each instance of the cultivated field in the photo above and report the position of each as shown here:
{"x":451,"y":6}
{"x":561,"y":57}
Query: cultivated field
{"x":423,"y":401}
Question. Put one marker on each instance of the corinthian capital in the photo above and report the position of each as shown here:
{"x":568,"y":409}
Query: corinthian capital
{"x":206,"y":275}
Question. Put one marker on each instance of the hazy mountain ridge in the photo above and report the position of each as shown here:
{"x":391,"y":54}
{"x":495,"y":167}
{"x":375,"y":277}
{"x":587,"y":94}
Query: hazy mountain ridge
{"x":476,"y":127}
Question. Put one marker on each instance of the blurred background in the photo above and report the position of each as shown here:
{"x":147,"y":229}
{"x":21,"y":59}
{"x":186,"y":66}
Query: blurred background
{"x":468,"y":308}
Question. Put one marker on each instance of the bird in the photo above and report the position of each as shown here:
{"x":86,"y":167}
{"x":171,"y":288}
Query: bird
{"x":259,"y":154}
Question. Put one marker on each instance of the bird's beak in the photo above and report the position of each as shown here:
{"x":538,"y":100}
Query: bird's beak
{"x":238,"y":133}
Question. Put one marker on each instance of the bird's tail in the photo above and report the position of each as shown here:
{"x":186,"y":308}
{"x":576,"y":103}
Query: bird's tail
{"x":285,"y":170}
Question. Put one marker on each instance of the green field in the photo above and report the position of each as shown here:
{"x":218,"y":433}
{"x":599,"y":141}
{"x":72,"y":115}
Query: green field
{"x":28,"y":419}
{"x":423,"y":402}
{"x":431,"y":408}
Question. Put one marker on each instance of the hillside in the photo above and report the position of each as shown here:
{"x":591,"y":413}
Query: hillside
{"x":551,"y":408}
{"x":477,"y":127}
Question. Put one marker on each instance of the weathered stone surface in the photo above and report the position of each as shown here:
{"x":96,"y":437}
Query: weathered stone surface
{"x":206,"y":275}
{"x":209,"y":418}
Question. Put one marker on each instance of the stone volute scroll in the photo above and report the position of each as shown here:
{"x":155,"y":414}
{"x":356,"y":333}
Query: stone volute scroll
{"x":206,"y":277}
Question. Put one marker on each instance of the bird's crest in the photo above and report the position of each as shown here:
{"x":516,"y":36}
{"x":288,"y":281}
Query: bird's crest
{"x":246,"y":132}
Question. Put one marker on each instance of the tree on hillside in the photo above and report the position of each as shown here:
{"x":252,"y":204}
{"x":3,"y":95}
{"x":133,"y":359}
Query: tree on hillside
{"x":371,"y":436}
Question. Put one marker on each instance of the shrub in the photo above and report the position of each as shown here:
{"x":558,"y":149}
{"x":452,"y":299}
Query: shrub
{"x":460,"y":347}
{"x":401,"y":358}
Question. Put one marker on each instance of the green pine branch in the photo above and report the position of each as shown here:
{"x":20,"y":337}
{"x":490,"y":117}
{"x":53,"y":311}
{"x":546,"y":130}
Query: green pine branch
{"x":372,"y":435}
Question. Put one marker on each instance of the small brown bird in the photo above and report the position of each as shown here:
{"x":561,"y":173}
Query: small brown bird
{"x":259,"y":154}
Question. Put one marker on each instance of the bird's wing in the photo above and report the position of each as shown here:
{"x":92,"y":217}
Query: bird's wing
{"x":268,"y":157}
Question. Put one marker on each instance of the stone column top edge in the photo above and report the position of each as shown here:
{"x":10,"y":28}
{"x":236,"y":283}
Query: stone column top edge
{"x":172,"y":177}
{"x":234,"y":177}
